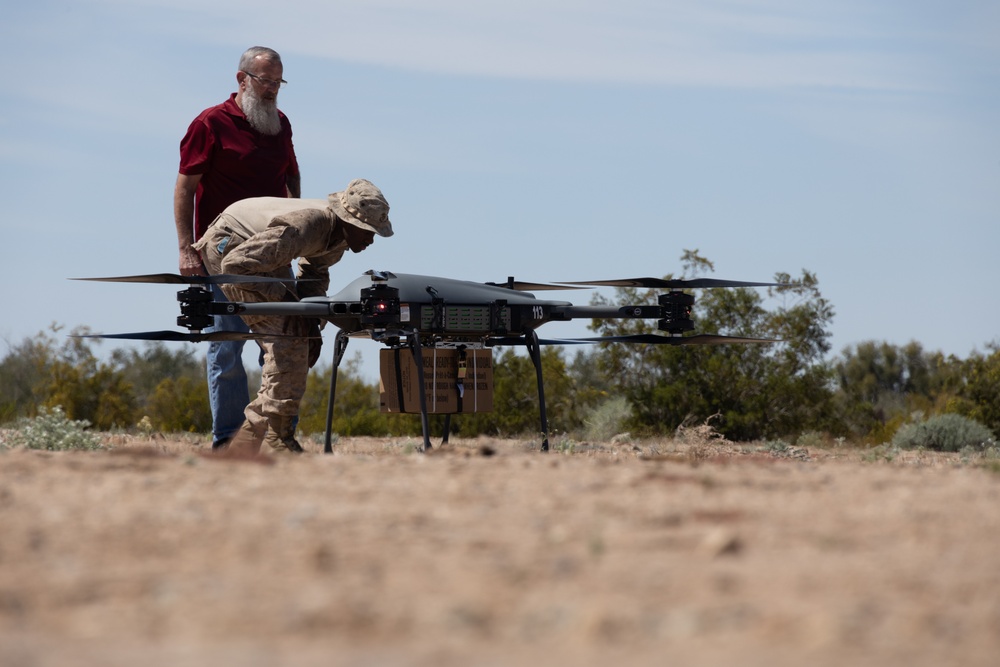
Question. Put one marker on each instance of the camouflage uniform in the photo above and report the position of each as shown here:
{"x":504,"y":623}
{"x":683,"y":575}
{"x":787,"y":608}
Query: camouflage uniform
{"x":261,"y":236}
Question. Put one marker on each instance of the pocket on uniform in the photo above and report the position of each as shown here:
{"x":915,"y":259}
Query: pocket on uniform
{"x":221,"y":246}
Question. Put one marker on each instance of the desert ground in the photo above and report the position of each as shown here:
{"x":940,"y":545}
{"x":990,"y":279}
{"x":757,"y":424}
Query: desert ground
{"x":487,"y":552}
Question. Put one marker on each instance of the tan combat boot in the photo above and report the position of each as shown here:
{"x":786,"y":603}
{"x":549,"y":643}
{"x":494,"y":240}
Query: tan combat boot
{"x":282,"y":440}
{"x":247,"y":440}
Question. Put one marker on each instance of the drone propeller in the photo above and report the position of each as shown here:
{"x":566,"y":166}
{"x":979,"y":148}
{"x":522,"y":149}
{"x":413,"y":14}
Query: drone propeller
{"x":656,"y":339}
{"x":648,"y":339}
{"x":522,"y":286}
{"x":675,"y":283}
{"x":177,"y":336}
{"x":175,"y":279}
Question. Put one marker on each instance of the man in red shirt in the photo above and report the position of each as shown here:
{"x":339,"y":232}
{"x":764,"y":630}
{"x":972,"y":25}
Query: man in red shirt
{"x":235,"y":150}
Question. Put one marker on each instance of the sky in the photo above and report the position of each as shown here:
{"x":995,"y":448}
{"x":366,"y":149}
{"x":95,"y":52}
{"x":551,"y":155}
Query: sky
{"x":549,"y":140}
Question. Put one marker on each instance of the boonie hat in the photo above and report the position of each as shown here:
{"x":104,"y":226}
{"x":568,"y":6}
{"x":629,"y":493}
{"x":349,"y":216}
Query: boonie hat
{"x":363,"y":205}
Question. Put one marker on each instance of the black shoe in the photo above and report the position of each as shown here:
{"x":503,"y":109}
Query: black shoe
{"x":220,"y":444}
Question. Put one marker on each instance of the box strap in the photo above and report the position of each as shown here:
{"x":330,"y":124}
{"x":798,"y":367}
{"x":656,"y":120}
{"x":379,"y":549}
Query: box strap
{"x":399,"y":380}
{"x":460,"y":377}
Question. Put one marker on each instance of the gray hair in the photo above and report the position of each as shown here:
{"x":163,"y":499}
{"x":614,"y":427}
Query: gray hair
{"x":246,"y":60}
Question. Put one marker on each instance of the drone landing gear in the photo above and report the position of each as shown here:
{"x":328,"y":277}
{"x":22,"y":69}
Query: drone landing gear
{"x":340,"y":347}
{"x":413,"y":340}
{"x":534,"y":351}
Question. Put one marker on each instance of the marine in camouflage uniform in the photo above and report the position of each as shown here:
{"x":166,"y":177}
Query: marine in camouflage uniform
{"x":261,"y":236}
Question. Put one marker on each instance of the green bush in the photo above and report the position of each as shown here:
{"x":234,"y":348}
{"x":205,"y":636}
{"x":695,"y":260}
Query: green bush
{"x":945,"y":433}
{"x":53,"y":431}
{"x":608,"y":419}
{"x":180,"y":405}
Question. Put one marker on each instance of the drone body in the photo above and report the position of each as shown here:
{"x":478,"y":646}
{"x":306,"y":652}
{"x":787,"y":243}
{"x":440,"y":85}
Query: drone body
{"x":422,"y":314}
{"x":436,"y":308}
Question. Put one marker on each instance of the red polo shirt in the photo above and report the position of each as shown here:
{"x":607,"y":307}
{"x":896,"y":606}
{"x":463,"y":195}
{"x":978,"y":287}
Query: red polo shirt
{"x":234,"y":160}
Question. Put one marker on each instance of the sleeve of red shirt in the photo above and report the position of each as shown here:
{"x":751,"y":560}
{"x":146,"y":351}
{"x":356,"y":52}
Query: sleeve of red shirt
{"x":293,"y":163}
{"x":196,"y":148}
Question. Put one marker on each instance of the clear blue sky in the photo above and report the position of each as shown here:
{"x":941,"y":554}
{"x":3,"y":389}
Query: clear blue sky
{"x":546,"y":139}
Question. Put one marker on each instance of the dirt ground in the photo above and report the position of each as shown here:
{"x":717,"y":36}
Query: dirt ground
{"x":490,"y":553}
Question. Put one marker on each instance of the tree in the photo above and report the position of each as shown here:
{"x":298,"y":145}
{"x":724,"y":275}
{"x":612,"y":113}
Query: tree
{"x":46,"y":371}
{"x":147,"y":368}
{"x":42,"y":372}
{"x":977,"y":398}
{"x":22,"y":373}
{"x":881,"y":386}
{"x":758,"y":390}
{"x":93,"y":392}
{"x":179,"y":405}
{"x":170,"y":386}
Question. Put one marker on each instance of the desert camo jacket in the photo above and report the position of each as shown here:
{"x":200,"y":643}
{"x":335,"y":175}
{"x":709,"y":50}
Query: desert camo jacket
{"x":262,"y":236}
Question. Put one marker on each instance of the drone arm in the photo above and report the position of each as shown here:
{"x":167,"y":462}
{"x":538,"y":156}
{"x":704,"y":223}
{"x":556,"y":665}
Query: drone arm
{"x":673,"y":313}
{"x":606,"y":312}
{"x":278,"y":309}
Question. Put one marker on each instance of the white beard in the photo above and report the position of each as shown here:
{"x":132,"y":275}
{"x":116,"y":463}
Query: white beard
{"x":261,"y":114}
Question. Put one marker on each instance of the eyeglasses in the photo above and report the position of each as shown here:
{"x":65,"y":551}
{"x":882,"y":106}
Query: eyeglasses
{"x":265,"y":82}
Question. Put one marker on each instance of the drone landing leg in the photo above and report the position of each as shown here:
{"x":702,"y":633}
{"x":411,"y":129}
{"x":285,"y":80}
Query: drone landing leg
{"x":339,"y":347}
{"x":447,"y":429}
{"x":418,"y":357}
{"x":534,"y":351}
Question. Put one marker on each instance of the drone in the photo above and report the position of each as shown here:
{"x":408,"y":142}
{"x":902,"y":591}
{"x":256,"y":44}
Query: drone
{"x":421,"y":318}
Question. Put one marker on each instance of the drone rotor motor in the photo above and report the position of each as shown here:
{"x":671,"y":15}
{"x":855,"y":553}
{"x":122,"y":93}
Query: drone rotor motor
{"x":195,"y":314}
{"x":676,"y":311}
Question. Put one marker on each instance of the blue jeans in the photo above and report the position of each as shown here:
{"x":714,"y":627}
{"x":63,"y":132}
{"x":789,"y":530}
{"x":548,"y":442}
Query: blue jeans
{"x":228,"y":393}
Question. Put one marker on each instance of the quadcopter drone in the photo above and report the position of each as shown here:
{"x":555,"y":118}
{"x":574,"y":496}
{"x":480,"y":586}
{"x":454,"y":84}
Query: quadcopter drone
{"x":420,"y":315}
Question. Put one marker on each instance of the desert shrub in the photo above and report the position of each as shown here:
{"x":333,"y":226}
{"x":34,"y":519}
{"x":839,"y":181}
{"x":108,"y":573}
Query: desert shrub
{"x":608,"y":419}
{"x":884,"y":452}
{"x":52,"y":430}
{"x":812,"y":439}
{"x":945,"y":433}
{"x":778,"y":446}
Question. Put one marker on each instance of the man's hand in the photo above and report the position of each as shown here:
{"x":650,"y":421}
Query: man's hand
{"x":315,"y":340}
{"x":184,"y":189}
{"x":190,"y":263}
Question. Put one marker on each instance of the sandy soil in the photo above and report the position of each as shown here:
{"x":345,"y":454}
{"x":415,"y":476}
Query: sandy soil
{"x":489,"y":553}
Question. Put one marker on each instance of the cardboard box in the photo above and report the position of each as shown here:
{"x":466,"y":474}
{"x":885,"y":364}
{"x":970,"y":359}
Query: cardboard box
{"x":452,"y":385}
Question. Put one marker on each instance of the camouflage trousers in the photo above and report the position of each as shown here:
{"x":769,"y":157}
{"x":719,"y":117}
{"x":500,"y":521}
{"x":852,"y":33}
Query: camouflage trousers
{"x":286,"y":360}
{"x":283,"y":376}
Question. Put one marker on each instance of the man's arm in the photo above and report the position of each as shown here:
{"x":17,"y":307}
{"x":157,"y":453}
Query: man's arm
{"x":293,"y":183}
{"x":184,"y":189}
{"x":315,"y":273}
{"x":271,"y":251}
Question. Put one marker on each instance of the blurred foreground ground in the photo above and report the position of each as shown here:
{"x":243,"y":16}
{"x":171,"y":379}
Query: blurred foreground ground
{"x":490,"y":553}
